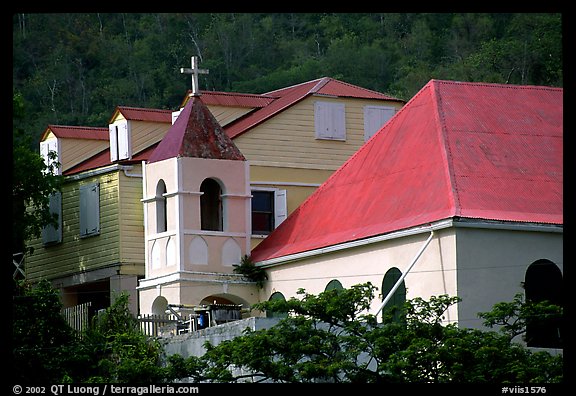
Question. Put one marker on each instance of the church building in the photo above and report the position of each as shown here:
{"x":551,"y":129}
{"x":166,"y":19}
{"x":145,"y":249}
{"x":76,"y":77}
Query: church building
{"x":323,"y":185}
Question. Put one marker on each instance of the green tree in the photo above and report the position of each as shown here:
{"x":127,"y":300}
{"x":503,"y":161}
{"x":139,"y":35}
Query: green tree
{"x":330,"y":338}
{"x":47,"y":350}
{"x":42,"y":341}
{"x":33,"y":181}
{"x":118,"y":351}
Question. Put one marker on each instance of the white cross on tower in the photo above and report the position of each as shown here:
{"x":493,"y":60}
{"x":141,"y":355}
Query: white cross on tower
{"x":195,"y":71}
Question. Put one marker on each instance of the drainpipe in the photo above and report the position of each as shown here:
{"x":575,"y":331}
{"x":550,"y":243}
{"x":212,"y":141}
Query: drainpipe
{"x":399,"y":281}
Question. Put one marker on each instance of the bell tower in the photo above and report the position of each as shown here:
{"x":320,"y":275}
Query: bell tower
{"x":197,"y":204}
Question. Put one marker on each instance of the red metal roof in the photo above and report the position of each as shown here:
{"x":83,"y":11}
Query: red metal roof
{"x":103,"y":159}
{"x":196,"y":133}
{"x":456,"y":149}
{"x":287,"y":97}
{"x":143,"y":114}
{"x":218,"y":98}
{"x":76,"y":132}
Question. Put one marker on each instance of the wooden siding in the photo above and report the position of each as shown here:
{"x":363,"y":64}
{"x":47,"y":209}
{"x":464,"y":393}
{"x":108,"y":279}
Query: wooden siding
{"x":74,"y":151}
{"x":75,"y":255}
{"x":288,"y":139}
{"x":146,"y":133}
{"x":226,"y":114}
{"x":132,"y":222}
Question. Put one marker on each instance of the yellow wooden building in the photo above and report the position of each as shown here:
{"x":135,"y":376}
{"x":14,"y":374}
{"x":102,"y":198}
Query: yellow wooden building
{"x":293,"y":138}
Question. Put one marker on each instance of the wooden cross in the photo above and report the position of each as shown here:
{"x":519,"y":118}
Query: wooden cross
{"x":195,"y":71}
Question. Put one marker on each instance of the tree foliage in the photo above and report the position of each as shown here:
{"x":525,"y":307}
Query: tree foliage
{"x":330,"y":338}
{"x":47,"y":350}
{"x":32,"y":183}
{"x":74,"y":69}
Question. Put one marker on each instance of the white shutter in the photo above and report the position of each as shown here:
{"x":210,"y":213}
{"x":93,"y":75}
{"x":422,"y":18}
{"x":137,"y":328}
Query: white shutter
{"x":90,"y":209}
{"x":375,"y":117}
{"x":330,"y":120}
{"x":50,"y":234}
{"x":113,"y":142}
{"x":280,"y":207}
{"x":124,"y":141}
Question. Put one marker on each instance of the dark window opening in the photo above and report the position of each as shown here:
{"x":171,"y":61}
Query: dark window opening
{"x":161,"y":212}
{"x":271,"y":313}
{"x":543,"y":282}
{"x":334,"y":284}
{"x":398,"y":298}
{"x":262,"y":212}
{"x":211,"y":205}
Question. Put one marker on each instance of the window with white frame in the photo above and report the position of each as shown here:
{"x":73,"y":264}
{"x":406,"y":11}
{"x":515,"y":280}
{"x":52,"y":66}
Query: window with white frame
{"x":89,"y":209}
{"x":120,"y":140}
{"x":53,"y":234}
{"x":375,"y":117}
{"x":268,"y":210}
{"x":330,"y":120}
{"x":51,"y":146}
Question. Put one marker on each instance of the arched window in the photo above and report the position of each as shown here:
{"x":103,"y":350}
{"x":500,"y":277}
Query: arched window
{"x":334,"y":284}
{"x":161,"y":211}
{"x":272,"y":314}
{"x":543,"y":282}
{"x":399,"y":297}
{"x":211,"y":205}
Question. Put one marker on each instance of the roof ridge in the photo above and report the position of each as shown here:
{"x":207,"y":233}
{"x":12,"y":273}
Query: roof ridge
{"x":293,"y":86}
{"x":445,"y":148}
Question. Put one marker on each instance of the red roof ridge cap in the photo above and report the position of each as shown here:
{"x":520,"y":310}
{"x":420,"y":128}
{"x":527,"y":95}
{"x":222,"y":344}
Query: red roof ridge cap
{"x":292,"y":86}
{"x":323,"y":81}
{"x":445,"y":147}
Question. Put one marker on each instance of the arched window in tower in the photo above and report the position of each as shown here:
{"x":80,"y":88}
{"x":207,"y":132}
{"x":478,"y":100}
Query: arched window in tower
{"x":211,"y":205}
{"x":543,"y":282}
{"x":161,"y":211}
{"x":398,"y":297}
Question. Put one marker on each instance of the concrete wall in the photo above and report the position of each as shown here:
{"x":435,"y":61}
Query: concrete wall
{"x":192,"y":344}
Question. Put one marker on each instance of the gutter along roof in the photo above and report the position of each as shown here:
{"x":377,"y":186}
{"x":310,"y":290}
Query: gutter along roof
{"x":473,"y":150}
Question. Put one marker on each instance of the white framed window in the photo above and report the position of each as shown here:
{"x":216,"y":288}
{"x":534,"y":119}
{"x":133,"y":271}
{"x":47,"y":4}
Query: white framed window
{"x":375,"y":117}
{"x":330,"y":120}
{"x":89,"y":209}
{"x":175,"y":115}
{"x":51,"y":234}
{"x":120,"y":140}
{"x":269,"y":210}
{"x":47,"y":146}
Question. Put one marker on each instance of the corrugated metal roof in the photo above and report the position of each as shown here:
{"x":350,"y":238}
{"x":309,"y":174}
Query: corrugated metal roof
{"x":234,"y":99}
{"x":143,"y":114}
{"x":473,"y":150}
{"x":103,"y":159}
{"x":76,"y":132}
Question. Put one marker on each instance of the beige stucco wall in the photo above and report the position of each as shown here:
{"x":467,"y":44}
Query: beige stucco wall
{"x":433,"y":274}
{"x":482,"y":266}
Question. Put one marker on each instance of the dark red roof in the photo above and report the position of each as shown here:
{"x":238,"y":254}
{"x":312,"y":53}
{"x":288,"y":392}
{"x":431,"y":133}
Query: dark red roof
{"x":457,"y":149}
{"x":77,"y":132}
{"x":219,"y":98}
{"x":103,"y":159}
{"x":196,"y":133}
{"x":143,"y":114}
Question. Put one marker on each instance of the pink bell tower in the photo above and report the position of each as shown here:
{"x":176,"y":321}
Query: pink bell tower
{"x":197,"y":205}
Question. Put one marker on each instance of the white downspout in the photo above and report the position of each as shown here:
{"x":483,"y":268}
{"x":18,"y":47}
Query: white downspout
{"x":399,"y":281}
